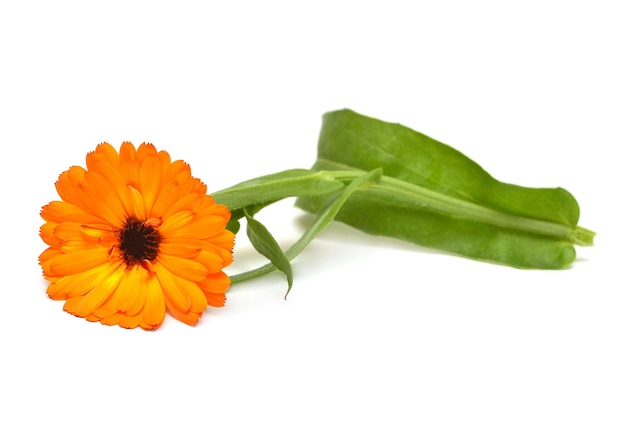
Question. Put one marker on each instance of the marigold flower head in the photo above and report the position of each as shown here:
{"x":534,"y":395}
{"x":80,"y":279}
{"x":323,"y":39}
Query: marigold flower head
{"x":134,"y":236}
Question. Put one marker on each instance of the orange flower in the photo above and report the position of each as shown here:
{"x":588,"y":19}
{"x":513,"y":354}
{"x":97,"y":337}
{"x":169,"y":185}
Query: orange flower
{"x":135,"y":235}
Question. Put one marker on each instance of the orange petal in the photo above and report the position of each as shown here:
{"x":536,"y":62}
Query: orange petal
{"x":78,"y":261}
{"x":211,"y":261}
{"x":216,"y":283}
{"x":104,"y":152}
{"x":60,"y":211}
{"x":96,"y":205}
{"x":175,"y":222}
{"x":45,"y":258}
{"x":100,"y":232}
{"x":208,"y":206}
{"x":68,"y":231}
{"x":224,"y":243}
{"x":172,"y":290}
{"x":179,"y":249}
{"x":139,"y":207}
{"x":187,"y":203}
{"x":99,"y":294}
{"x":46,"y":232}
{"x":200,"y":227}
{"x":215,"y":299}
{"x":182,"y":289}
{"x":127,"y":152}
{"x":117,"y":183}
{"x":144,"y":151}
{"x":117,"y":303}
{"x":129,"y":168}
{"x":72,"y":304}
{"x":154,"y":309}
{"x":167,"y":197}
{"x":185,"y":268}
{"x":132,"y":291}
{"x":166,"y":163}
{"x":150,"y":178}
{"x":108,"y":307}
{"x":190,"y":317}
{"x":198,"y":186}
{"x":113,"y":319}
{"x":105,"y":190}
{"x":130,"y":321}
{"x":79,"y":284}
{"x":67,"y":185}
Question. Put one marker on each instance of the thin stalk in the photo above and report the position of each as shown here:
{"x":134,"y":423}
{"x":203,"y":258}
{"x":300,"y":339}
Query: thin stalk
{"x":324,"y":217}
{"x":303,"y":182}
{"x":448,"y":205}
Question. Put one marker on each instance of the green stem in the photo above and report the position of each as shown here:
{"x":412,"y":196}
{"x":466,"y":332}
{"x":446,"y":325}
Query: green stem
{"x":324,"y":217}
{"x":289,"y":183}
{"x":304,"y":182}
{"x":448,"y":205}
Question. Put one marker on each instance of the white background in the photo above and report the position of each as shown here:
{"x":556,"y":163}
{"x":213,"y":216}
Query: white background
{"x":378,"y":338}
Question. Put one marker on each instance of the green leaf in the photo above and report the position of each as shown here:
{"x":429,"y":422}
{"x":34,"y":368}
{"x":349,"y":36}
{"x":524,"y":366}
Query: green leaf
{"x":233,"y":225}
{"x":433,"y":195}
{"x":324,"y":217}
{"x":249,"y":197}
{"x":264,"y":243}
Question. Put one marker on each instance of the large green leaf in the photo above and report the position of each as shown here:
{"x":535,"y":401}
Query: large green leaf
{"x":433,"y":195}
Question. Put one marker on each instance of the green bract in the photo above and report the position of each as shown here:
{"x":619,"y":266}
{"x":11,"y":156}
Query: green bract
{"x":421,"y":191}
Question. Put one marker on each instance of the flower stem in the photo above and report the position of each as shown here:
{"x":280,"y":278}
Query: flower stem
{"x":340,"y":185}
{"x":324,"y":217}
{"x":441,"y":203}
{"x":304,"y":182}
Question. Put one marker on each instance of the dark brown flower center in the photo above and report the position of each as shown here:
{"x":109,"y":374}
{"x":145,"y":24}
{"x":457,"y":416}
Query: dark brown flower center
{"x":138,"y":242}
